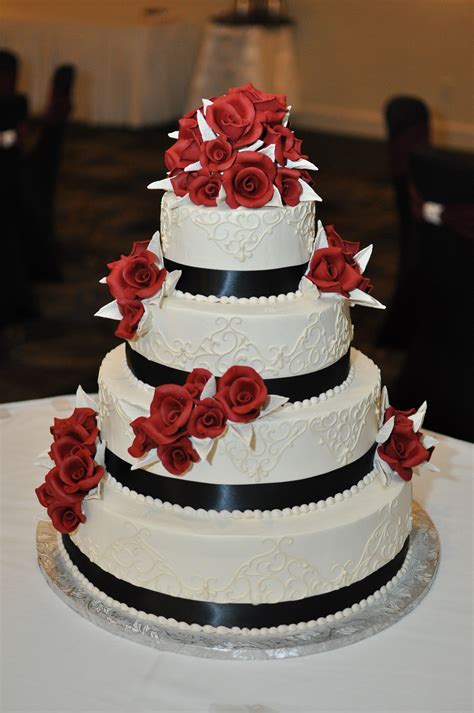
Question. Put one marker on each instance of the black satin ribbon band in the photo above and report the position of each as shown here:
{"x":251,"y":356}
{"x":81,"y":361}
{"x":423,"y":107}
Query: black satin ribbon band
{"x":242,"y":615}
{"x":252,"y":496}
{"x":237,"y":283}
{"x":296,"y":388}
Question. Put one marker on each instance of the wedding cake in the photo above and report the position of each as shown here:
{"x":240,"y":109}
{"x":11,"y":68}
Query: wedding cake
{"x":242,"y":468}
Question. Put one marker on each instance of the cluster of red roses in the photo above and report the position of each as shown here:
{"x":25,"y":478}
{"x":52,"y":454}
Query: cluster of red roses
{"x":403,"y":450}
{"x":239,"y":118}
{"x":178,"y":412}
{"x":75,"y":471}
{"x":333,"y":269}
{"x":132,"y":279}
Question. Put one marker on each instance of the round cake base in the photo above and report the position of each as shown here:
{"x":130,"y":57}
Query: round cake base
{"x":414,"y":583}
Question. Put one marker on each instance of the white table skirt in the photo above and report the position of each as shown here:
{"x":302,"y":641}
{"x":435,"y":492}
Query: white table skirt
{"x":134,"y":75}
{"x":53,"y":660}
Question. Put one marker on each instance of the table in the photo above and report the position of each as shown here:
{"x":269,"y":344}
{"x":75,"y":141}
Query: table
{"x":232,"y":55}
{"x":53,"y":660}
{"x":128,"y":73}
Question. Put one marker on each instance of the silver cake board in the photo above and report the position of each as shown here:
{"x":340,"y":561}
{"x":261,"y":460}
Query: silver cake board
{"x":415,"y":581}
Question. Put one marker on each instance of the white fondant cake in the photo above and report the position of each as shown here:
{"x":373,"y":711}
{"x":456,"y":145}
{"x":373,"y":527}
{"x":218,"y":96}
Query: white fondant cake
{"x":247,"y":471}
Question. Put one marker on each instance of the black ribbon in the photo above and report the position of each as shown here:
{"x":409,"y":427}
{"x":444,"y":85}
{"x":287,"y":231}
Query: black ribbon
{"x":251,"y":496}
{"x":237,"y":283}
{"x":296,"y":388}
{"x":193,"y":611}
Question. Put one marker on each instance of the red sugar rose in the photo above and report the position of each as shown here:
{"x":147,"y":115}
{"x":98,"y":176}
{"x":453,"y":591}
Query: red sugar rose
{"x":270,"y":108}
{"x":207,"y":420}
{"x":180,"y":182}
{"x":286,"y":145}
{"x":331,"y":270}
{"x":204,"y":187}
{"x":169,"y":414}
{"x":186,"y":149}
{"x":132,"y":311}
{"x":335,"y":241}
{"x":79,"y":472}
{"x":403,"y":451}
{"x":217,"y":154}
{"x":81,"y":425}
{"x":66,"y":517}
{"x":178,"y":456}
{"x":234,"y":116}
{"x":196,"y":381}
{"x":242,"y":393}
{"x":135,"y":276}
{"x":249,"y":182}
{"x":287,"y":182}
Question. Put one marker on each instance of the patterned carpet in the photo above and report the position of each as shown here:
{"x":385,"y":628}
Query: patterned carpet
{"x":103,"y":206}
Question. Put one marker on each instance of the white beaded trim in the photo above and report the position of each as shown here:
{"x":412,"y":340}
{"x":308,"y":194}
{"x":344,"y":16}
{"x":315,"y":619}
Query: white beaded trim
{"x":313,"y":401}
{"x":264,"y":631}
{"x":246,"y":514}
{"x":272,"y":299}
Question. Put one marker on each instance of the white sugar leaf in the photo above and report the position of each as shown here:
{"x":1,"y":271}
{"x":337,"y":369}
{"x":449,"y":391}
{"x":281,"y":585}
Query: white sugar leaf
{"x":384,"y":401}
{"x":243,"y":430}
{"x":253,"y":147}
{"x":428,"y":441}
{"x":148,"y":459}
{"x":427,"y":465}
{"x":274,"y":403}
{"x":275,"y":200}
{"x":307,"y":193}
{"x":100,"y":452}
{"x":419,"y":417}
{"x":363,"y":257}
{"x":164,"y":184}
{"x":309,"y":289}
{"x":360,"y":297}
{"x":203,"y":446}
{"x":269,"y":151}
{"x":386,"y":431}
{"x":210,"y":388}
{"x":193,"y":166}
{"x":321,"y":240}
{"x":154,"y":246}
{"x":181,"y":200}
{"x":43,"y":460}
{"x":171,"y":281}
{"x":103,"y":281}
{"x":205,"y":104}
{"x":206,"y":131}
{"x":174,"y":134}
{"x":109,"y":311}
{"x":301,"y":163}
{"x":83,"y":400}
{"x":286,"y":118}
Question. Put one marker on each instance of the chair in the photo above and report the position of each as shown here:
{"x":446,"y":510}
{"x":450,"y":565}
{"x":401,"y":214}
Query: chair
{"x":42,"y":169}
{"x":440,"y":358}
{"x":18,"y":297}
{"x":408,"y":127}
{"x":8,"y":73}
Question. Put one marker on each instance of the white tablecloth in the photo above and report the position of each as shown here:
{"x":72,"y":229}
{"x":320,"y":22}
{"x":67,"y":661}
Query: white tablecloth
{"x":232,"y":55}
{"x":128,"y":74}
{"x":53,"y":660}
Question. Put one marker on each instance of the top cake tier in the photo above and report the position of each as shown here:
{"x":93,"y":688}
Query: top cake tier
{"x":239,"y":192}
{"x":245,"y":239}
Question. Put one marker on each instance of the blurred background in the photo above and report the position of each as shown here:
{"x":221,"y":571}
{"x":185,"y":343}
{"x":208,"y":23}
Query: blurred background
{"x":382,"y":97}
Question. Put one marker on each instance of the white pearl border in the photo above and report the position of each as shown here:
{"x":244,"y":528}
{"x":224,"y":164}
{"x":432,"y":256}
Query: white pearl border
{"x":272,"y":299}
{"x":246,"y":514}
{"x":264,"y":631}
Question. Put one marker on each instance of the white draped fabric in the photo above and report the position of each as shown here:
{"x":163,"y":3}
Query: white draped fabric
{"x":232,"y":55}
{"x":53,"y":660}
{"x":134,"y":75}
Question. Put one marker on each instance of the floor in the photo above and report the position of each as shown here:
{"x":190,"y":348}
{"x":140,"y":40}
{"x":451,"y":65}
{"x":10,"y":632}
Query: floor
{"x":103,"y":206}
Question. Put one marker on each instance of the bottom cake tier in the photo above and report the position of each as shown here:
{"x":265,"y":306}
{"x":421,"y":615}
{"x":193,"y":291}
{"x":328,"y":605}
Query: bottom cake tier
{"x":245,"y":572}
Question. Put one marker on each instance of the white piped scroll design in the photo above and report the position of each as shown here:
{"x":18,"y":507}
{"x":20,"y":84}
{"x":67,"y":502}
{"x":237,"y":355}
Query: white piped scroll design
{"x":239,"y":232}
{"x":276,"y":574}
{"x":228,"y":344}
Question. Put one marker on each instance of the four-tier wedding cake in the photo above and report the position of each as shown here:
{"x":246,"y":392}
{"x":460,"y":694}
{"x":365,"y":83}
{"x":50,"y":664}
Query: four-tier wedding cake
{"x":242,"y":468}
